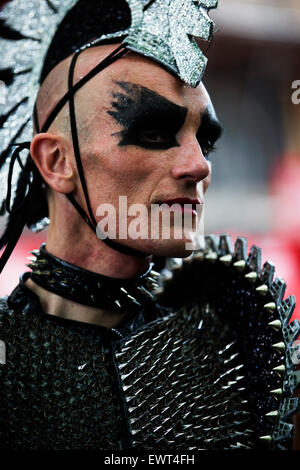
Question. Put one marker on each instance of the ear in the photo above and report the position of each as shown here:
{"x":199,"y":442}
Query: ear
{"x":51,"y":156}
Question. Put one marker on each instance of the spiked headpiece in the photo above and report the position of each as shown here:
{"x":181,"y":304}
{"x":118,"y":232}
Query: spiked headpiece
{"x":37,"y":35}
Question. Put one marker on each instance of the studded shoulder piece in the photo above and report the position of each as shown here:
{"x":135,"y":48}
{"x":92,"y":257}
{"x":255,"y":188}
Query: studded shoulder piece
{"x":218,"y":372}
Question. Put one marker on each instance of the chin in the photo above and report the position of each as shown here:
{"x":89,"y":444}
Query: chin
{"x":168,"y":248}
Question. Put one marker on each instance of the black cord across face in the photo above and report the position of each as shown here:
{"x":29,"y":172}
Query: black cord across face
{"x":69,"y":97}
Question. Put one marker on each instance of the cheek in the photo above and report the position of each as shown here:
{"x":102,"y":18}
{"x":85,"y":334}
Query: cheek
{"x":115,"y":169}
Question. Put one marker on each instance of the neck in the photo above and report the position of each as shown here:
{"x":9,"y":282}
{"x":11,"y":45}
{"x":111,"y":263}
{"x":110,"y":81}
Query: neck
{"x":85,"y":250}
{"x":85,"y":294}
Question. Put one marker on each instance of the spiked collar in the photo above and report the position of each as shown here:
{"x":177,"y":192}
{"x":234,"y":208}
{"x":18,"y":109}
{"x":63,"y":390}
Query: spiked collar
{"x":89,"y":288}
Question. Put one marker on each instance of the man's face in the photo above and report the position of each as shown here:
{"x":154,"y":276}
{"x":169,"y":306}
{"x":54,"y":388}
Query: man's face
{"x":145,"y":135}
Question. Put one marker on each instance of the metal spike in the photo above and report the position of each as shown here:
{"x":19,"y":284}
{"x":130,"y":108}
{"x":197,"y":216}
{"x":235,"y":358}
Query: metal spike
{"x":124,"y":290}
{"x":37,"y":272}
{"x":280,"y":347}
{"x":145,"y":292}
{"x":280,"y":370}
{"x":252,"y":276}
{"x":270,"y":307}
{"x":31,"y":265}
{"x":277,"y":393}
{"x":199,"y":256}
{"x":272,"y":414}
{"x":275,"y":324}
{"x":118,"y":303}
{"x":35,"y":252}
{"x":266,"y":438}
{"x":154,"y":274}
{"x":126,"y":387}
{"x":240,"y":265}
{"x":263,"y":289}
{"x":41,"y":261}
{"x":134,"y":300}
{"x":226,"y":259}
{"x":211,"y":256}
{"x":31,"y":258}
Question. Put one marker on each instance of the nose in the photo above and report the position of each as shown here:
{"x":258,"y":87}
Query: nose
{"x":190,"y":162}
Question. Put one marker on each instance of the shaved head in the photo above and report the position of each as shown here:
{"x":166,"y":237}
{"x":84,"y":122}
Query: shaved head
{"x":55,"y":86}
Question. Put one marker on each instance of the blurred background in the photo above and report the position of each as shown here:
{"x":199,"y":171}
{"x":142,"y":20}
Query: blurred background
{"x":254,"y":62}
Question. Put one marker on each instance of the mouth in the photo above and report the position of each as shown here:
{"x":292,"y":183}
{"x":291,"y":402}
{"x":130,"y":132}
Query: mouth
{"x":187,"y":205}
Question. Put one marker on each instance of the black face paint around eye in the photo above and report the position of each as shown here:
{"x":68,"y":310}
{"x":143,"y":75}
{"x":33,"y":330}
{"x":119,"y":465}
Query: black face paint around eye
{"x":209,"y":132}
{"x":149,"y":120}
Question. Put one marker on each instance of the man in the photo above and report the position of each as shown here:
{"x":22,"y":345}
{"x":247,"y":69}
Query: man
{"x":153,"y":175}
{"x":96,"y":359}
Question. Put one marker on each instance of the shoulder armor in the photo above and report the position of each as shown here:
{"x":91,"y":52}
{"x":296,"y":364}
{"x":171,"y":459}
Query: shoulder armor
{"x":250,"y":306}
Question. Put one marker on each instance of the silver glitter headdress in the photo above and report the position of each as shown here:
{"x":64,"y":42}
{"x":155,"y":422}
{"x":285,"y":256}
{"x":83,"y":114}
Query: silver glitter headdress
{"x":163,"y":30}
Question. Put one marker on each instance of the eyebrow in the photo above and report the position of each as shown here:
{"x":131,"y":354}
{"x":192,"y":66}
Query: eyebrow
{"x":137,"y":100}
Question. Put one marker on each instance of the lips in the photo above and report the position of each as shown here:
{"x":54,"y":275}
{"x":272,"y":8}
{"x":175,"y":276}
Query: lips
{"x":182,"y":202}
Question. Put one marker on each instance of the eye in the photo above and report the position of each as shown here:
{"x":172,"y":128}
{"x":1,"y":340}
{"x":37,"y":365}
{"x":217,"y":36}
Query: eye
{"x":154,"y":136}
{"x":157,"y":139}
{"x":207,"y":147}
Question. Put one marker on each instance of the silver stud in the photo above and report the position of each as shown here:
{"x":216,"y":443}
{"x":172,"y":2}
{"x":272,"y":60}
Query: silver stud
{"x":145,"y":292}
{"x":275,"y":324}
{"x":263,"y":289}
{"x":30,"y":265}
{"x":155,"y":274}
{"x":251,"y":277}
{"x":31,"y":258}
{"x":240,"y":265}
{"x":35,"y":252}
{"x":266,"y":438}
{"x":211,"y":256}
{"x":272,"y":414}
{"x":133,"y":299}
{"x":270,"y":307}
{"x":37,"y":272}
{"x":277,"y":393}
{"x":280,"y":347}
{"x":279,"y":370}
{"x":226,"y":259}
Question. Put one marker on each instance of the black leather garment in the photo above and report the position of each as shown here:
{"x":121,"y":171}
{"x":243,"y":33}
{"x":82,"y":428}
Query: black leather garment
{"x":212,"y":369}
